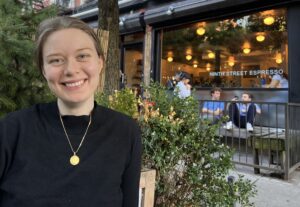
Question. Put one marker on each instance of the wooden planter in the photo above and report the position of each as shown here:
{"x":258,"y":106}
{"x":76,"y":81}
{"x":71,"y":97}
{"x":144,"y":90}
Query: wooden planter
{"x":147,"y":188}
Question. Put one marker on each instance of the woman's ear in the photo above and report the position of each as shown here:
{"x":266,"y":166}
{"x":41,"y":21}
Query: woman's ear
{"x":43,"y":72}
{"x":101,"y":63}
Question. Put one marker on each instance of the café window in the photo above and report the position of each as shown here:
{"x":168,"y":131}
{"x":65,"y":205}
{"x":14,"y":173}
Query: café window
{"x":243,"y":52}
{"x":132,"y":61}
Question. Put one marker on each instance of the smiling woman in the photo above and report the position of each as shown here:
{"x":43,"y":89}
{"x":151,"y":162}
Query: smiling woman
{"x":72,"y":72}
{"x":71,"y":152}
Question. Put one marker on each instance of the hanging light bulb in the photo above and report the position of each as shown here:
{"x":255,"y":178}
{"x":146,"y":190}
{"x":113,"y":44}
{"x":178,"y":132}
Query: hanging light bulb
{"x":211,"y":55}
{"x":269,"y":20}
{"x":246,"y":48}
{"x":208,"y":66}
{"x":278,"y":61}
{"x":260,"y":38}
{"x":170,"y":59}
{"x":195,"y":63}
{"x":188,"y":57}
{"x":278,"y":58}
{"x":201,"y":31}
{"x":231,"y":64}
{"x":231,"y":61}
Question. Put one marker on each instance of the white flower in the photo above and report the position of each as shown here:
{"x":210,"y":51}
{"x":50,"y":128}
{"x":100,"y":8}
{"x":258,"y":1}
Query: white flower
{"x":207,"y":166}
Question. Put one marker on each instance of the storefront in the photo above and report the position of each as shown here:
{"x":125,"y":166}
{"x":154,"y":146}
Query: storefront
{"x":237,"y":46}
{"x":240,"y":52}
{"x":236,"y":50}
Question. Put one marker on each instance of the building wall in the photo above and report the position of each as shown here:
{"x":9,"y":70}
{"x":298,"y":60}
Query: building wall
{"x":71,"y":4}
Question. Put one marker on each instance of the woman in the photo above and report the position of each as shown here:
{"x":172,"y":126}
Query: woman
{"x":71,"y":152}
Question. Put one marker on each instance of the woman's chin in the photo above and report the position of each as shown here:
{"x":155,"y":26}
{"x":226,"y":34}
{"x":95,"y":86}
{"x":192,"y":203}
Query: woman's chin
{"x":76,"y":100}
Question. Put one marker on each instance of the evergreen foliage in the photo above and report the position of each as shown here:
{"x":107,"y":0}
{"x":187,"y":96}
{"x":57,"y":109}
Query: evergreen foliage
{"x":21,"y":84}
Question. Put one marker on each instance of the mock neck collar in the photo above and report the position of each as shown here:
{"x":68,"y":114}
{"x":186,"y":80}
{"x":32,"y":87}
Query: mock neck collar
{"x":73,"y":124}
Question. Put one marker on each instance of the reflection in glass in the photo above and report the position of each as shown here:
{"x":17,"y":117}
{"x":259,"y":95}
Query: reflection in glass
{"x":239,"y":52}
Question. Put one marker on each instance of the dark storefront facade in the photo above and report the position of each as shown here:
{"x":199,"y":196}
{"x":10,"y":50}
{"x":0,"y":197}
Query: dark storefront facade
{"x":235,"y":45}
{"x":230,"y":46}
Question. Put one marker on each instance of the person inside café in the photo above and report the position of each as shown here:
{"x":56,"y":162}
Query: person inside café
{"x":278,"y":80}
{"x":171,"y":83}
{"x":183,"y":87}
{"x":242,"y":114}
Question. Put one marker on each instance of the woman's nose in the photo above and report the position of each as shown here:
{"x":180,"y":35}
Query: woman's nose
{"x":72,"y":67}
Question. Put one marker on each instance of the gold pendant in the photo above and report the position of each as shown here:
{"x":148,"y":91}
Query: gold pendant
{"x":74,"y":160}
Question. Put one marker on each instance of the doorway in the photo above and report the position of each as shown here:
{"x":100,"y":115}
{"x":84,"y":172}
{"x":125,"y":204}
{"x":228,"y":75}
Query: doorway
{"x":132,"y":65}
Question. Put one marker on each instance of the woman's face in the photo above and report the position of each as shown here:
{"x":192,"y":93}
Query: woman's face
{"x":71,"y":65}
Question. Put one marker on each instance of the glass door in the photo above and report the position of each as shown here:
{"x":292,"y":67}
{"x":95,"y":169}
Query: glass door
{"x":132,"y":66}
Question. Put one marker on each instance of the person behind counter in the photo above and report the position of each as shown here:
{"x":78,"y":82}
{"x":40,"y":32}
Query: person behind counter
{"x":242,"y":114}
{"x":71,"y":152}
{"x":279,"y":81}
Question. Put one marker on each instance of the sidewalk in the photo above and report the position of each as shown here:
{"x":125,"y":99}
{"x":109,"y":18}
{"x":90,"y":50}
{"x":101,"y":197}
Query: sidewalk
{"x":274,"y":192}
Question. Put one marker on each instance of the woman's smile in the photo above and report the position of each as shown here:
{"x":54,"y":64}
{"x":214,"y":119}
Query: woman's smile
{"x":74,"y":84}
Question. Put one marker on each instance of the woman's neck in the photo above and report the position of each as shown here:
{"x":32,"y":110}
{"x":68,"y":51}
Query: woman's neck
{"x":75,"y":109}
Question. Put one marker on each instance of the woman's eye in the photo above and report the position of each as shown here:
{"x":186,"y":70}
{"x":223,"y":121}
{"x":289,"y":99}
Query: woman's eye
{"x":83,"y":57}
{"x":56,"y":61}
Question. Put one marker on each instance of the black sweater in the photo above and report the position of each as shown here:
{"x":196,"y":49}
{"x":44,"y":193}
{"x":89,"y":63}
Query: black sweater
{"x":34,"y":159}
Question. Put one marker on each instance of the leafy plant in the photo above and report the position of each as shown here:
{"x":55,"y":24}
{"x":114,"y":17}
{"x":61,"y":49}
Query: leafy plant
{"x":191,"y":162}
{"x":124,"y":101}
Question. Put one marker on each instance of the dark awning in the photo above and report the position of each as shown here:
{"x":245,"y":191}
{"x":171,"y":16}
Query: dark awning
{"x":127,"y":23}
{"x":185,"y":8}
{"x":205,"y":8}
{"x":169,"y":13}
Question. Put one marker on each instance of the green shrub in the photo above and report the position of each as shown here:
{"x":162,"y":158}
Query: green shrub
{"x":192,"y":164}
{"x":124,"y":101}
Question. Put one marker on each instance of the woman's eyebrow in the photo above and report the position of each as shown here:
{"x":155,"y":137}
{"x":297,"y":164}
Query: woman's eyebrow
{"x":53,"y":54}
{"x":86,"y":48}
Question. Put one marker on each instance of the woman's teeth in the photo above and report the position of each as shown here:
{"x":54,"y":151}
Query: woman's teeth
{"x":74,"y":84}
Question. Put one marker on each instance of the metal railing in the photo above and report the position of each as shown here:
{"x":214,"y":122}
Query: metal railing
{"x":274,"y":144}
{"x":293,"y":144}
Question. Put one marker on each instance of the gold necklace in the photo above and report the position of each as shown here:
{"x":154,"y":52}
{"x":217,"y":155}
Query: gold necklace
{"x":74,"y":160}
